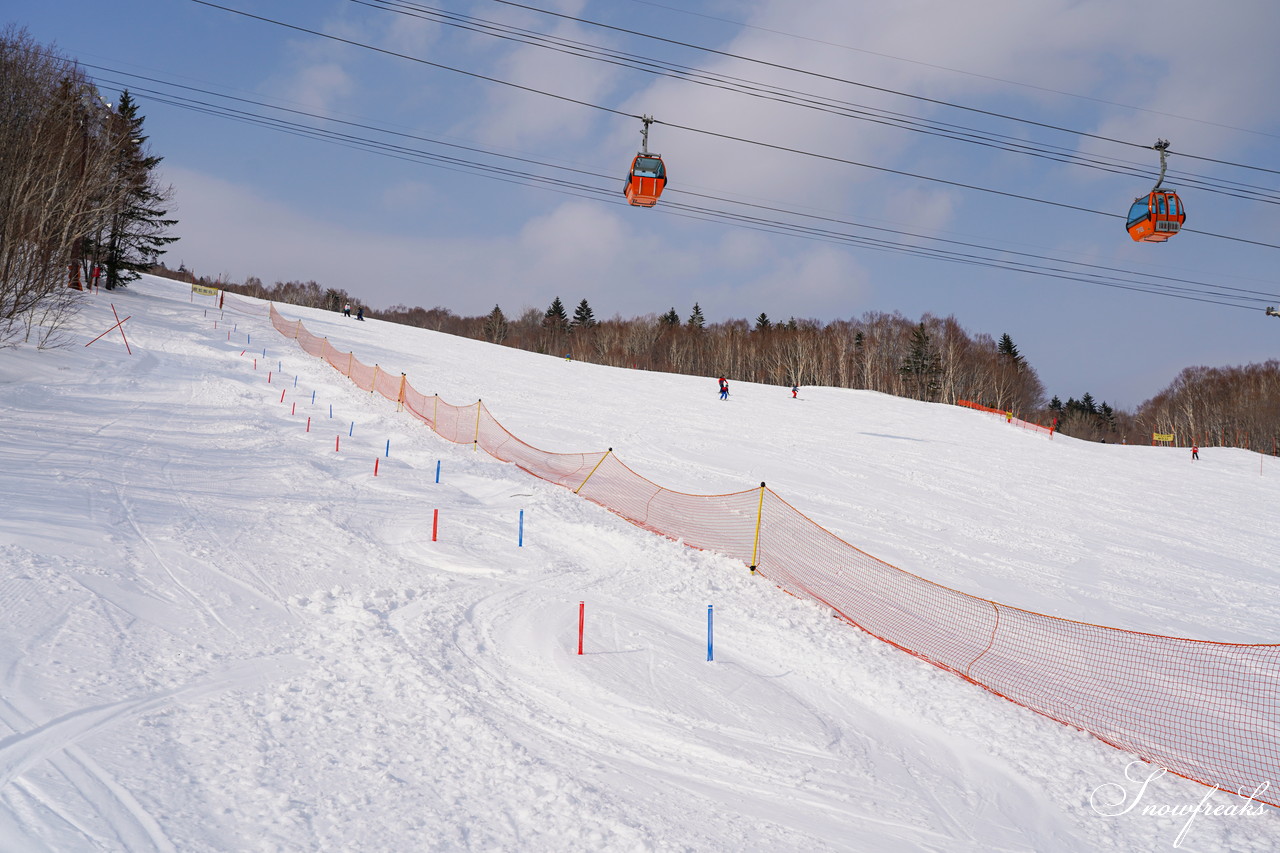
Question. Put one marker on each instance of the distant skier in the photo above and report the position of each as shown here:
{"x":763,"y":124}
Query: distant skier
{"x":723,"y":383}
{"x":795,"y":390}
{"x":724,"y":390}
{"x":360,"y":313}
{"x":1195,"y":452}
{"x":346,"y":310}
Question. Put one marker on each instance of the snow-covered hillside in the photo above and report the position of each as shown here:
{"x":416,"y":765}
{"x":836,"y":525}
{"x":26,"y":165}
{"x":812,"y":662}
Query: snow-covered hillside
{"x":220,"y":633}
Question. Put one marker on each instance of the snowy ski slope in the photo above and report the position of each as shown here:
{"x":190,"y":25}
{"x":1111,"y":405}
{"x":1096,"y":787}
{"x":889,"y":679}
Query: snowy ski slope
{"x":221,"y":634}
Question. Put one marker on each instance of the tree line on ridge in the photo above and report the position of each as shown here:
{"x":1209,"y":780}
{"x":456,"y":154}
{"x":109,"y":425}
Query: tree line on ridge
{"x":932,"y":359}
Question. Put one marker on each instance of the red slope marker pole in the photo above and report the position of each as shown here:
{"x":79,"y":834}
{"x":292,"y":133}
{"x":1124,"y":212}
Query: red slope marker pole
{"x":119,"y":325}
{"x":582,"y":619}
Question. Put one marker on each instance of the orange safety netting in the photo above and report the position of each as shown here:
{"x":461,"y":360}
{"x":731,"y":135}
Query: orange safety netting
{"x":230,"y":302}
{"x":1008,"y":416}
{"x":1204,"y":710}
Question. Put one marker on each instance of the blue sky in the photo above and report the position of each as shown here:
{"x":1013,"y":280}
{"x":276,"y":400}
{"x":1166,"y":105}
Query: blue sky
{"x":254,"y":201}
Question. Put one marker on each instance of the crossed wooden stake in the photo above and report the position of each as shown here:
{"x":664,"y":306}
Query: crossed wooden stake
{"x":119,"y":325}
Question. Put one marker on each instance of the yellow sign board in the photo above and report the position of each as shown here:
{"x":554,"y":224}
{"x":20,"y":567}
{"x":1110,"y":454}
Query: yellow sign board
{"x":1158,"y":436}
{"x":204,"y":291}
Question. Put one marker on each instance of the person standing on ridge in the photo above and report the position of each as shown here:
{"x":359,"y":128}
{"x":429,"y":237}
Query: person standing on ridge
{"x":360,"y":313}
{"x":346,"y":310}
{"x":724,"y":389}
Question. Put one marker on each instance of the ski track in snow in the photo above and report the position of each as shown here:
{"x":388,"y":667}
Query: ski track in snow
{"x":222,"y":634}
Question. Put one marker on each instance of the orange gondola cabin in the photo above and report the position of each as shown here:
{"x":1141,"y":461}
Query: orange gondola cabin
{"x":648,"y":176}
{"x":1158,"y":215}
{"x":646,"y":180}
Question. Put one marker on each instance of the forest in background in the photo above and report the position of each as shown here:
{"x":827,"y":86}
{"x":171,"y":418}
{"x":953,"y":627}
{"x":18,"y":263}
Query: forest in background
{"x":931,"y":358}
{"x":80,"y":202}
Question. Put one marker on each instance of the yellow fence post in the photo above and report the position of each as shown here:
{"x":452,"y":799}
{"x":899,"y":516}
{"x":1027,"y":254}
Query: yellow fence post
{"x":374,"y":386}
{"x":435,"y":413}
{"x":593,"y":470}
{"x":400,"y":395}
{"x":350,"y":357}
{"x":475,"y":445}
{"x":296,"y":329}
{"x":755,"y":545}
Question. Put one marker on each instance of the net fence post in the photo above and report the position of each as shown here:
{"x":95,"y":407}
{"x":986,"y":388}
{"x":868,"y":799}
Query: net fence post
{"x":755,"y":544}
{"x":593,"y":470}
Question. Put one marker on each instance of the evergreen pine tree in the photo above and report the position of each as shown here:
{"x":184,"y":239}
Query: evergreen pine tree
{"x":134,"y":238}
{"x":496,"y":326}
{"x":583,"y":318}
{"x":922,"y":366}
{"x":1087,"y":404}
{"x":696,"y":320}
{"x":763,"y":322}
{"x":556,"y":316}
{"x":671,"y":318}
{"x":1006,"y":349}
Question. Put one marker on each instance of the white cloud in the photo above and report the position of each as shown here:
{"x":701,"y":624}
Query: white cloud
{"x":318,"y":88}
{"x":577,"y":250}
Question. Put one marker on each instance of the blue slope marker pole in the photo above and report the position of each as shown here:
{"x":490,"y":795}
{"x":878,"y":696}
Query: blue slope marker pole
{"x":331,"y":410}
{"x":710,"y":656}
{"x":437,"y":470}
{"x":313,"y":397}
{"x":520,"y":543}
{"x":352,"y":431}
{"x":388,"y":453}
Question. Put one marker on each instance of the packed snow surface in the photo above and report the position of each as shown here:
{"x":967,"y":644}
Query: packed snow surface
{"x":222,"y":632}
